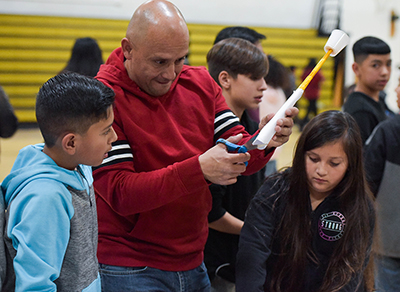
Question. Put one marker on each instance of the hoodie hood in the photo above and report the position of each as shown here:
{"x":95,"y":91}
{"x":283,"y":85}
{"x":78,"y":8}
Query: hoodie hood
{"x":32,"y":164}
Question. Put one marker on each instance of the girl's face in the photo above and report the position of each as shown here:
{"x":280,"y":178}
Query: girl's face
{"x":325,"y":167}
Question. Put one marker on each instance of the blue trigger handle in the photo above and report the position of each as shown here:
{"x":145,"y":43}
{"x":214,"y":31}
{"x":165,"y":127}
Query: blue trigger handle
{"x":232,"y":147}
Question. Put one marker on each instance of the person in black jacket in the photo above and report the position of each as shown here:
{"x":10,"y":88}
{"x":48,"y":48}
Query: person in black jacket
{"x":382,"y":164}
{"x":310,"y":228}
{"x":372,"y":67}
{"x":239,"y":67}
{"x":86,"y":57}
{"x":8,"y":119}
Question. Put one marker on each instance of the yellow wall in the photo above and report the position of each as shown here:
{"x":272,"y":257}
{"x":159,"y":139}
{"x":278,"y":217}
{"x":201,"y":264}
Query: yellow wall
{"x":35,"y":48}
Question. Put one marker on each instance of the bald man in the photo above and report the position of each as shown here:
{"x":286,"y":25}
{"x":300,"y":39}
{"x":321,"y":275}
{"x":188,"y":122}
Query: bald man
{"x":152,"y":189}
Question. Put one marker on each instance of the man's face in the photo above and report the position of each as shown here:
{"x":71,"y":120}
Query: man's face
{"x":155,"y":63}
{"x":374,"y":72}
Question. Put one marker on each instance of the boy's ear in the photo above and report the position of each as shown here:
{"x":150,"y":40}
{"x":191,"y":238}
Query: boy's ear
{"x":68,"y":143}
{"x":224,"y":79}
{"x":355,"y":68}
{"x":126,"y":48}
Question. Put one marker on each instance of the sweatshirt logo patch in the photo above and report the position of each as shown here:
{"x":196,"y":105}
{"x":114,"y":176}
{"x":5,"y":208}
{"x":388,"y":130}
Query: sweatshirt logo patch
{"x":331,"y":225}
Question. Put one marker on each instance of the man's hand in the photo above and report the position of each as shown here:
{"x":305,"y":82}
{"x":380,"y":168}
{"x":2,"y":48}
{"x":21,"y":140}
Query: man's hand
{"x":283,"y":127}
{"x":221,"y":167}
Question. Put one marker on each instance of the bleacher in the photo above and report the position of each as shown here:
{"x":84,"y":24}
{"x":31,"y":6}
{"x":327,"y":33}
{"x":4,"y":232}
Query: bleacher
{"x":35,"y":48}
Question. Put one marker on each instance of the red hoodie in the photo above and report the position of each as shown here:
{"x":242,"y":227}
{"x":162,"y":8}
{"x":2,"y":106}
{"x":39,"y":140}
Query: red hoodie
{"x":152,"y":198}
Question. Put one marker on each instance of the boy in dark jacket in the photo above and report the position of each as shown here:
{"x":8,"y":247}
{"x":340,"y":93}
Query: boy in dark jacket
{"x":372,"y":67}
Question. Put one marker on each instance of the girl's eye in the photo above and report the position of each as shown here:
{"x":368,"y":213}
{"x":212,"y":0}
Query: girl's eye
{"x":333,"y":164}
{"x":313,"y":159}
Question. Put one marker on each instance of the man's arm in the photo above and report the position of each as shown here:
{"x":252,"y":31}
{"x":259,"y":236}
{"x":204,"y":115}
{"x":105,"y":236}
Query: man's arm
{"x":223,"y":168}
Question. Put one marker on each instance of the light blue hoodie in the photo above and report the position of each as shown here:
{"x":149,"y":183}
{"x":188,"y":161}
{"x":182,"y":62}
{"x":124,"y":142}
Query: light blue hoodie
{"x":52,"y":222}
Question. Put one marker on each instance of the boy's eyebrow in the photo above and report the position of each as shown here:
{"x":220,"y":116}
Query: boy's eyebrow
{"x":380,"y":61}
{"x":108,"y":126}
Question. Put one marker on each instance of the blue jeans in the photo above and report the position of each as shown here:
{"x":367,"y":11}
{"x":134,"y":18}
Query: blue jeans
{"x":387,"y":274}
{"x":146,"y":279}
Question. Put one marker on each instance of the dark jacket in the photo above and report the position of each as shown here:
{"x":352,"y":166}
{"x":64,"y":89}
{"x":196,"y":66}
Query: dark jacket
{"x":8,"y":120}
{"x":259,"y":248}
{"x":367,"y":112}
{"x":382,"y":164}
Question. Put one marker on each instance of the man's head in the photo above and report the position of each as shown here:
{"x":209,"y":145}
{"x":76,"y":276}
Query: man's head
{"x":372,"y":64}
{"x":71,"y":105}
{"x":241,"y":32}
{"x":239,"y":68}
{"x":155,"y":46}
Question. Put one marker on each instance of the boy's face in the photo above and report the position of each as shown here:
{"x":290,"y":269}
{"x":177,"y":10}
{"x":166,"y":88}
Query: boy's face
{"x":94,"y":145}
{"x":246,"y":93}
{"x":374,"y":72}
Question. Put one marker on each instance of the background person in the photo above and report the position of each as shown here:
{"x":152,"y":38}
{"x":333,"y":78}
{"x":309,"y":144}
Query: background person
{"x":312,"y":91}
{"x":382,"y":164}
{"x":239,"y":68}
{"x":241,"y":32}
{"x":8,"y":119}
{"x":86,"y":57}
{"x":372,"y":67}
{"x":273,"y":98}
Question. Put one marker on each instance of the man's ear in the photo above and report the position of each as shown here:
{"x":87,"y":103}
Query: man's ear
{"x":126,"y":48}
{"x":68,"y":143}
{"x":224,"y":80}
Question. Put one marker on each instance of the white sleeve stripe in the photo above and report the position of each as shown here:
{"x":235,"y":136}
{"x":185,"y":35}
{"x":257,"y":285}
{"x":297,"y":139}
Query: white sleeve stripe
{"x":115,"y":157}
{"x":224,"y":116}
{"x":118,"y":147}
{"x":227,"y":123}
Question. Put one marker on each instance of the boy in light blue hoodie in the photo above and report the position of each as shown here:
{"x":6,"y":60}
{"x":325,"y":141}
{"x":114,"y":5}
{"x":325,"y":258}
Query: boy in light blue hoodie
{"x":51,"y":221}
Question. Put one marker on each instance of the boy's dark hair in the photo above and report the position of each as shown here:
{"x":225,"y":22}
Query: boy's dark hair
{"x":71,"y":103}
{"x":369,"y":45}
{"x":240,"y":32}
{"x":237,"y":56}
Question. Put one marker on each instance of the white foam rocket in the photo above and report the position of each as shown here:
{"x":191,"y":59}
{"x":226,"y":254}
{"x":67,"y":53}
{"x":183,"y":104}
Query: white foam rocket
{"x":336,"y":42}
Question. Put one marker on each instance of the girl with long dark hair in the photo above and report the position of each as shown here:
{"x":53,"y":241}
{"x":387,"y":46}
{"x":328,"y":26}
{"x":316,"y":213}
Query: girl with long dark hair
{"x":310,"y":227}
